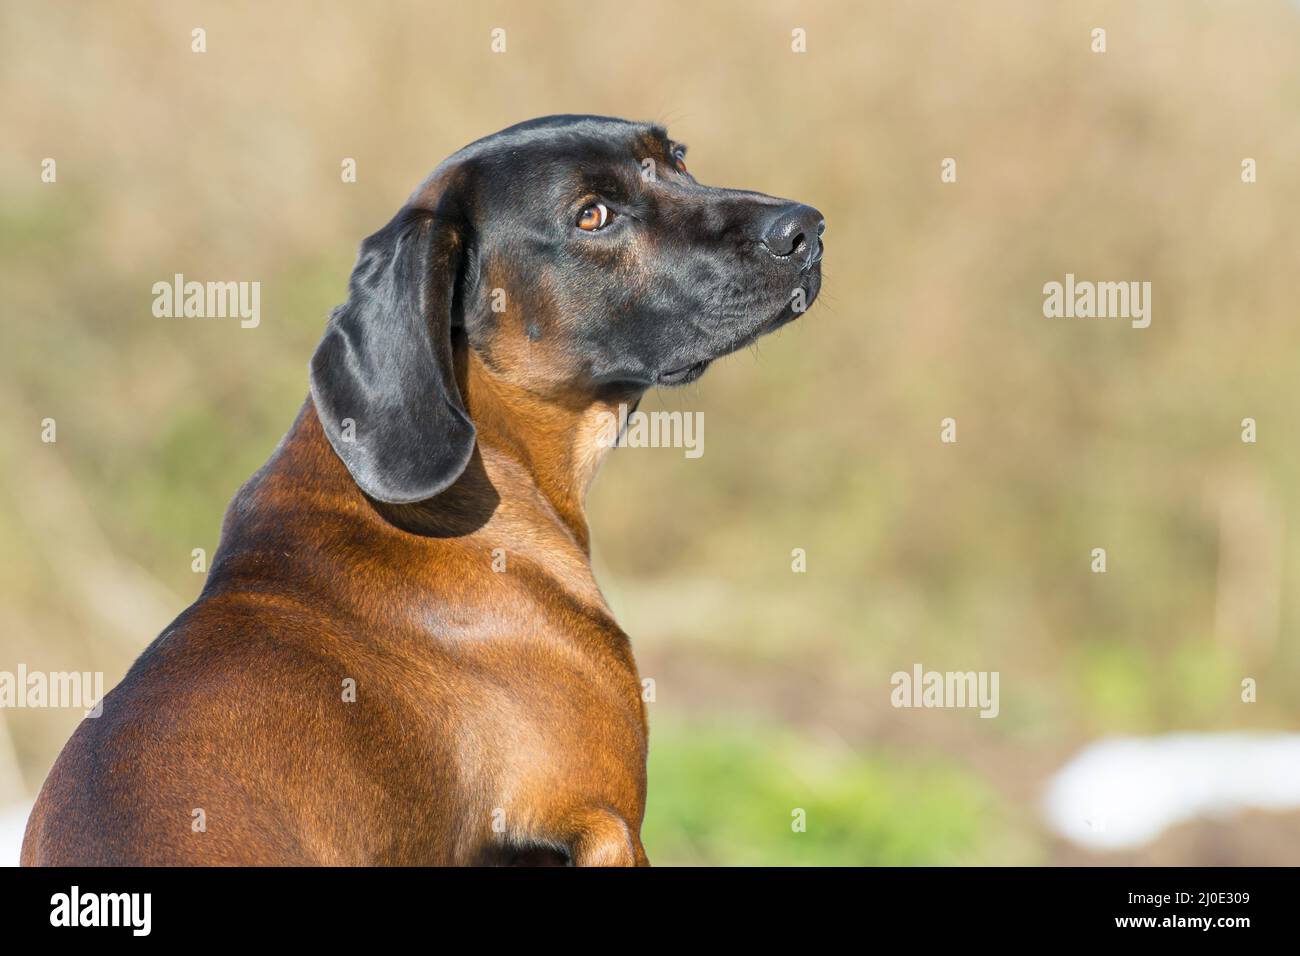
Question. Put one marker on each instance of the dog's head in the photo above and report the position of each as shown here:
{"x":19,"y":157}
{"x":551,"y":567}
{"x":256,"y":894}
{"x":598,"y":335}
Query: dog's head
{"x":576,"y":256}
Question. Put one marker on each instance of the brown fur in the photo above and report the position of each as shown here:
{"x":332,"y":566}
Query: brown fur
{"x":530,"y":708}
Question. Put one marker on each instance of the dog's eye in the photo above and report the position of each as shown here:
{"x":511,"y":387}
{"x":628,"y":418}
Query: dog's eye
{"x":593,"y":217}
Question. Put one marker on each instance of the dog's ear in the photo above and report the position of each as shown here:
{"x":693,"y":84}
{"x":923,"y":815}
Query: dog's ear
{"x":382,"y":378}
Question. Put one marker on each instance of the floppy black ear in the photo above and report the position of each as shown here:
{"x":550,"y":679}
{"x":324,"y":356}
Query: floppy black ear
{"x":382,"y":377}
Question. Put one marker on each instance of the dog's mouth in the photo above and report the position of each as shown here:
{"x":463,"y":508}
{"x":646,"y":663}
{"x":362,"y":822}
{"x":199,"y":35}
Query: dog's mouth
{"x":683,"y":375}
{"x":810,"y":283}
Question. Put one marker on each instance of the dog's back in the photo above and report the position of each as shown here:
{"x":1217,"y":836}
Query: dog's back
{"x":231,"y":739}
{"x":320,"y":706}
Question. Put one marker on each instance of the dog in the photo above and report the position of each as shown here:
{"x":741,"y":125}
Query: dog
{"x":401,"y":655}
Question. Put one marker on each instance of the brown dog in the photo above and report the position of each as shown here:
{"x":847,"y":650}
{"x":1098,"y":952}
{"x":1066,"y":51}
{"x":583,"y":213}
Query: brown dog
{"x":401,"y":655}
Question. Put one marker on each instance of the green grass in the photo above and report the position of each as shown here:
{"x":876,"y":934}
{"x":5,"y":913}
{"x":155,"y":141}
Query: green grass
{"x":727,"y":795}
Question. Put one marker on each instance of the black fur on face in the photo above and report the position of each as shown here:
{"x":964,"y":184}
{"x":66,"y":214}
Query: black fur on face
{"x":680,"y":274}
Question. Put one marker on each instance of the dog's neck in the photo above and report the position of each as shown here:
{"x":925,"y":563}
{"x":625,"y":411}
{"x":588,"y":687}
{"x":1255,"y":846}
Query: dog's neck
{"x":552,"y":445}
{"x":533,"y":461}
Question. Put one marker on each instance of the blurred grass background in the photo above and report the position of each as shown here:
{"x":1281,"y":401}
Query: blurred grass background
{"x":772,"y":688}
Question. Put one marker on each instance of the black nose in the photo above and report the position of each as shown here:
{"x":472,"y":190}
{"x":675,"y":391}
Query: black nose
{"x":795,"y":230}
